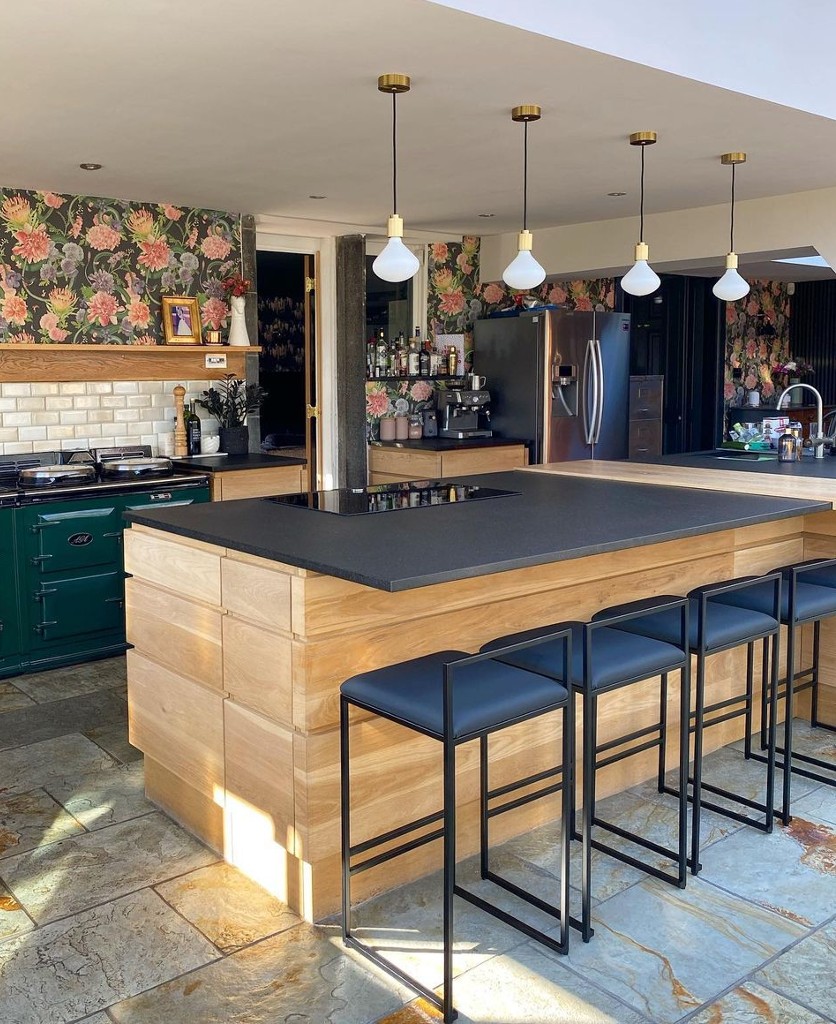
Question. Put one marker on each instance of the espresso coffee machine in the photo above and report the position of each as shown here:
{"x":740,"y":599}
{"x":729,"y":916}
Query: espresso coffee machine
{"x":464,"y":413}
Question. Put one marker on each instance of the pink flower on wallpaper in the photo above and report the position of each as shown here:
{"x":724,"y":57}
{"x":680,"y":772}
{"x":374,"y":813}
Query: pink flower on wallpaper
{"x":144,"y":339}
{"x":752,"y":307}
{"x":58,"y":334}
{"x":750,"y":382}
{"x":751,"y":348}
{"x":215,"y":247}
{"x":557,"y":295}
{"x":377,"y":402}
{"x":443,"y":280}
{"x":141,"y":224}
{"x":462,"y":263}
{"x":172,"y":212}
{"x":75,"y":230}
{"x":731,"y":313}
{"x":438,"y":251}
{"x":403,"y":387}
{"x":583,"y":303}
{"x":48,"y":321}
{"x":103,"y":237}
{"x":14,"y":309}
{"x":17,"y":212}
{"x":191,"y":241}
{"x":729,"y":390}
{"x":61,"y":300}
{"x":52,"y":200}
{"x":420,"y":391}
{"x":33,"y":244}
{"x":213,"y":312}
{"x":139,"y":314}
{"x":452,"y":302}
{"x":102,"y":309}
{"x":155,"y":254}
{"x":493,"y":293}
{"x":24,"y":338}
{"x":768,"y":389}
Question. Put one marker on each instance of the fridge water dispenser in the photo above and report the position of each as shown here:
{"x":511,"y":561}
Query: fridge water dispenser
{"x":564,"y":390}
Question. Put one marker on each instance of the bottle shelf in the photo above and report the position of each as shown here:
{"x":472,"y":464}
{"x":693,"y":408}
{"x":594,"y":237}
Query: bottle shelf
{"x":431,"y":376}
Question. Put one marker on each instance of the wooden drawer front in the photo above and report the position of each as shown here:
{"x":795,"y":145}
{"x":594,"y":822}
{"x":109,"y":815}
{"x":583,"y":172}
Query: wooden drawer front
{"x":179,"y":633}
{"x":257,"y":669}
{"x":188,"y":570}
{"x":258,"y":483}
{"x":645,"y":439}
{"x":482,"y":460}
{"x":256,"y":593}
{"x":259,"y":777}
{"x":645,"y":399}
{"x":177,"y":723}
{"x":405,"y":463}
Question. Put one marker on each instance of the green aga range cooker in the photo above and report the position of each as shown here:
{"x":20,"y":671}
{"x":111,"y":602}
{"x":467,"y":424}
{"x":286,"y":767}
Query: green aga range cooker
{"x":61,"y":565}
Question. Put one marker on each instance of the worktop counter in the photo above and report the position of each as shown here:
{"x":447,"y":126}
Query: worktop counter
{"x":549,"y":519}
{"x":448,"y":444}
{"x":236,"y":463}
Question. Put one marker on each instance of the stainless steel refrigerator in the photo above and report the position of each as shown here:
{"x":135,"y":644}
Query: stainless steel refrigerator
{"x":558,"y":379}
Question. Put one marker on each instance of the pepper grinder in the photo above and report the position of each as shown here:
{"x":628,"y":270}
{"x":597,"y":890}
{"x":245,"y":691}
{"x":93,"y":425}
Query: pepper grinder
{"x":181,"y":448}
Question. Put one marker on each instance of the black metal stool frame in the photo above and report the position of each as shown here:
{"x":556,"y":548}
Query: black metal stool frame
{"x":447,"y":817}
{"x":769,"y":682}
{"x":591,"y":750}
{"x":788,"y":692}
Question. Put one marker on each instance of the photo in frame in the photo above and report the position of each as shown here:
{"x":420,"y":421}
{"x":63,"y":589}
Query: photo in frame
{"x":181,"y":320}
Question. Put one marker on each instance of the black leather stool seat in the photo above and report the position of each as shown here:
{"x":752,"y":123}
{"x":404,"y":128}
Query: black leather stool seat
{"x":485,"y":695}
{"x":616,"y":655}
{"x":725,"y":626}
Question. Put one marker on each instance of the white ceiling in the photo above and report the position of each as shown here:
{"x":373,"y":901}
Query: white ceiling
{"x":255,"y":106}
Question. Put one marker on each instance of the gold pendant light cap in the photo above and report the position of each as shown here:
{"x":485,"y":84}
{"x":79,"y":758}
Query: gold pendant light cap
{"x":525,"y":241}
{"x":394,"y":226}
{"x":642,"y":251}
{"x":731,"y":261}
{"x":643,"y":139}
{"x":733,"y":158}
{"x":394,"y":83}
{"x":526,"y":112}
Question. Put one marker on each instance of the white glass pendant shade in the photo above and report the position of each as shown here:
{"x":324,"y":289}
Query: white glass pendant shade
{"x":641,"y":278}
{"x":396,"y":262}
{"x":524,"y":272}
{"x":731,"y":285}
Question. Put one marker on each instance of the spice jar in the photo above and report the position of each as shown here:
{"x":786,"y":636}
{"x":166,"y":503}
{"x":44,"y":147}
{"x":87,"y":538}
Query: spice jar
{"x":387,"y":428}
{"x":401,"y":428}
{"x":415,"y":428}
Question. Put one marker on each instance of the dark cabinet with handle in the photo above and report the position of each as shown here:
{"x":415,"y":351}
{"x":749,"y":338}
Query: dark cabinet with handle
{"x":9,"y":616}
{"x":646,"y":407}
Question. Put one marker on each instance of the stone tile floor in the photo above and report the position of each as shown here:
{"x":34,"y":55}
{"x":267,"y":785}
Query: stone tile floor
{"x":111,"y":913}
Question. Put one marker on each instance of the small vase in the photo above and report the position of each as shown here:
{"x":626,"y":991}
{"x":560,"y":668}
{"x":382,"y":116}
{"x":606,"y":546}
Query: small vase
{"x":796,"y":398}
{"x":235,"y":440}
{"x":238,"y":324}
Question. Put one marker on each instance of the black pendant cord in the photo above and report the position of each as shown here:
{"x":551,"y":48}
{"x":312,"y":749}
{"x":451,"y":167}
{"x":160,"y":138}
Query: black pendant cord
{"x":641,"y":200}
{"x":731,"y":230}
{"x":525,"y":176}
{"x":394,"y":153}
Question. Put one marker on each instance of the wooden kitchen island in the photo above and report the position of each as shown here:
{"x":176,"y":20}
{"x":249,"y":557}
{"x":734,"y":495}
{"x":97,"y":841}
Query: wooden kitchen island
{"x":246,"y":616}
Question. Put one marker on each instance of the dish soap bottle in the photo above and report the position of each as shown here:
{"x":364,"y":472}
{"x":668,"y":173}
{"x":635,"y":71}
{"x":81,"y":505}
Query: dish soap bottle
{"x":786,"y":447}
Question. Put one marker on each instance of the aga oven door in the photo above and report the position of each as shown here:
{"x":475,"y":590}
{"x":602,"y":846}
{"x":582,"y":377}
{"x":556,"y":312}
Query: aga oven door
{"x":79,"y":609}
{"x":70,"y":536}
{"x":9,"y":623}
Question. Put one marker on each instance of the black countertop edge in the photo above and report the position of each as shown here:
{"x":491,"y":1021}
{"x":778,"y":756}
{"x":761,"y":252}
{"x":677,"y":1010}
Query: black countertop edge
{"x":449,"y":444}
{"x":809,"y":467}
{"x":230,"y":463}
{"x":553,"y":519}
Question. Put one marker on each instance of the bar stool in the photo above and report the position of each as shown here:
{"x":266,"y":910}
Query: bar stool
{"x":454,"y":697}
{"x":607,"y":658}
{"x":808,"y":596}
{"x":718,"y":623}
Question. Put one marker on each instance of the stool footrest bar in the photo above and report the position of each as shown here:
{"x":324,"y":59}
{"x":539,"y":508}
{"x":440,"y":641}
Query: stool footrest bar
{"x":509,"y":919}
{"x":615,"y":758}
{"x":396,"y":972}
{"x":512,"y":787}
{"x":396,"y":851}
{"x":529,"y":898}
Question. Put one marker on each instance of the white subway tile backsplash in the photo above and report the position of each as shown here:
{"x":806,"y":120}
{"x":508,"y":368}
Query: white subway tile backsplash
{"x":15,"y":390}
{"x":57,"y":402}
{"x":44,"y":389}
{"x":8,"y":404}
{"x":163,"y":401}
{"x":100,"y":387}
{"x":72,"y":387}
{"x":32,"y":433}
{"x":59,"y":433}
{"x":150,"y":387}
{"x":125,"y":387}
{"x":113,"y":401}
{"x":30,"y":404}
{"x":112,"y":429}
{"x":17,"y":419}
{"x":17,"y":448}
{"x":74,"y":416}
{"x":45,"y":419}
{"x":126,"y":415}
{"x":100,"y":416}
{"x":8,"y":434}
{"x":138,"y":401}
{"x":40,"y":446}
{"x":86,"y":402}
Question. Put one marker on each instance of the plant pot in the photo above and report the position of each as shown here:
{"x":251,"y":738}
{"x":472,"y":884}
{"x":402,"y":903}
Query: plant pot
{"x":238,"y":325}
{"x":235,"y":440}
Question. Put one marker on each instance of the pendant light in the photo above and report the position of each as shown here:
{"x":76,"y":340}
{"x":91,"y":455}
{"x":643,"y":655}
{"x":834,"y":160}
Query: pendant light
{"x":641,"y":279}
{"x":396,"y":262}
{"x":524,"y":272}
{"x":731,"y":285}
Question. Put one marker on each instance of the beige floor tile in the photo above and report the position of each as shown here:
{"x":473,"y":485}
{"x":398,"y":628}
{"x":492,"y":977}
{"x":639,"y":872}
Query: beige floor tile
{"x":57,"y":684}
{"x":75,"y":874}
{"x":30,"y":820}
{"x":36,"y":764}
{"x":11,"y":698}
{"x":228,"y":908}
{"x":13,"y":919}
{"x":753,"y":1004}
{"x":104,"y":797}
{"x":805,"y":972}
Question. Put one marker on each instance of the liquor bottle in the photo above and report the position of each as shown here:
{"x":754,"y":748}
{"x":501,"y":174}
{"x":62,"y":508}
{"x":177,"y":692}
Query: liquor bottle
{"x":393,"y":358}
{"x":382,"y":355}
{"x":371,"y":356}
{"x":424,"y":362}
{"x":193,"y":430}
{"x":452,"y":360}
{"x":414,"y":366}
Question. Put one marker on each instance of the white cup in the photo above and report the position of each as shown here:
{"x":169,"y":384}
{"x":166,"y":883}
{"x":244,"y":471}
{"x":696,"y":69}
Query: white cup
{"x":209,"y":444}
{"x":753,"y":399}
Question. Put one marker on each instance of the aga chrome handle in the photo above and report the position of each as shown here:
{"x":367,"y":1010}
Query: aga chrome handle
{"x":37,"y":559}
{"x":41,"y":627}
{"x":37,"y":527}
{"x":39,"y":595}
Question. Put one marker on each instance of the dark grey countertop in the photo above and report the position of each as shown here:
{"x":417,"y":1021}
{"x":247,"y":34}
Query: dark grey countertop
{"x":229,"y":463}
{"x":552,"y":519}
{"x":822,"y":469}
{"x":448,"y":444}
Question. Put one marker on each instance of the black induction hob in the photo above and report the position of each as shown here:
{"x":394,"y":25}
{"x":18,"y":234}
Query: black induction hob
{"x":389,"y":497}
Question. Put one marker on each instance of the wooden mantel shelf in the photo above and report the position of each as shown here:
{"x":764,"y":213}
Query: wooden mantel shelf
{"x":50,"y":363}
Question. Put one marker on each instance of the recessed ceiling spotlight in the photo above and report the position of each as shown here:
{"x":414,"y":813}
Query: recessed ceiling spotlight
{"x":317,"y":197}
{"x":487,"y":214}
{"x":616,"y":195}
{"x":90,"y":167}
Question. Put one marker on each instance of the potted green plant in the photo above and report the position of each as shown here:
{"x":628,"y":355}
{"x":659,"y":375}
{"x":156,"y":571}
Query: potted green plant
{"x":229,"y":402}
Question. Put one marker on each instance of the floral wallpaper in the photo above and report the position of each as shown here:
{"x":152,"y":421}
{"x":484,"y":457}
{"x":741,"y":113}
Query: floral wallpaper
{"x":83,"y":270}
{"x":757,"y":342}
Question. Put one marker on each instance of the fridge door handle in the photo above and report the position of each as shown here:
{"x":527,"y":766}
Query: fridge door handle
{"x":599,"y":410}
{"x":589,"y":380}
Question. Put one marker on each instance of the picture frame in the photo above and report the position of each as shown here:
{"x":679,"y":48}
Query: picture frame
{"x":181,"y":320}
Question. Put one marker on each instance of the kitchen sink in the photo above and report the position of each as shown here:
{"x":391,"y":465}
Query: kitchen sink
{"x":736,"y":456}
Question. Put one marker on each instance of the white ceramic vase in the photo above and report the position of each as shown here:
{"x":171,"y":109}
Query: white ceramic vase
{"x":238,"y":324}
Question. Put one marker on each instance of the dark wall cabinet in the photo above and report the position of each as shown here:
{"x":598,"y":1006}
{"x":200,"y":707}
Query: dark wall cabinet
{"x":9,"y":622}
{"x":645,"y":426}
